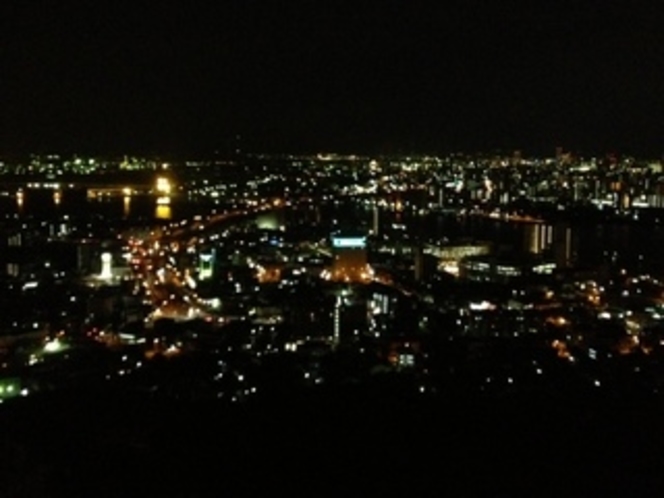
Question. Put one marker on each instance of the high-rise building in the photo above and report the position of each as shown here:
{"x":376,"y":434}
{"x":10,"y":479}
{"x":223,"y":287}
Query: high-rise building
{"x":337,"y":320}
{"x":376,"y":220}
{"x":206,"y":261}
{"x":350,"y":258}
{"x":106,"y":266}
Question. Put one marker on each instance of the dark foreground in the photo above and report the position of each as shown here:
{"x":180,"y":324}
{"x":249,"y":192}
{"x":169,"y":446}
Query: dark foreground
{"x":351,"y":441}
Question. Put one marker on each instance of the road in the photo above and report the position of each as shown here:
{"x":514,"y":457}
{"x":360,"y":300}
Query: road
{"x":170,"y":290}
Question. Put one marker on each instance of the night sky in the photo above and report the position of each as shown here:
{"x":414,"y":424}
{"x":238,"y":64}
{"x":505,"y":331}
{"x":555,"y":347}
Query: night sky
{"x":350,"y":76}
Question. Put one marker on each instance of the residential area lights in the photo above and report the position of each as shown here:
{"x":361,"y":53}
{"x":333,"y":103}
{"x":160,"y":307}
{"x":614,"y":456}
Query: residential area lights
{"x":336,"y":272}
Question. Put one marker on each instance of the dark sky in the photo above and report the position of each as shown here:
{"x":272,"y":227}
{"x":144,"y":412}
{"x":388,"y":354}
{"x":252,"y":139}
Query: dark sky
{"x":294,"y":75}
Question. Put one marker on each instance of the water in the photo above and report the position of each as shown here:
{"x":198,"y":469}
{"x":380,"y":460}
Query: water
{"x":636,"y":247}
{"x":45,"y":204}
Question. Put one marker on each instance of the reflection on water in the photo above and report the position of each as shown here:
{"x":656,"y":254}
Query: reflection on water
{"x":19,"y":202}
{"x":539,"y":237}
{"x":163,"y":212}
{"x":557,"y":241}
{"x":610,"y":244}
{"x":42,"y":204}
{"x":126,"y":206}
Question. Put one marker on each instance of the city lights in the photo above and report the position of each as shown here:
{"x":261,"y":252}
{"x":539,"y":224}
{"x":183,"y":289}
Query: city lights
{"x":163,"y":186}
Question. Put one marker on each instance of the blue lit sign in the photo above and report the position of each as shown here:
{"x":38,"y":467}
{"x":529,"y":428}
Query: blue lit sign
{"x":349,"y":242}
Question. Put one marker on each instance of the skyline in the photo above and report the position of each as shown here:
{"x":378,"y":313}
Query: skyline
{"x":317,"y":324}
{"x":362,"y":77}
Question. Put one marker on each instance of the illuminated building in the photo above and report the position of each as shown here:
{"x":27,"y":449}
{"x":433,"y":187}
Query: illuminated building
{"x":504,"y":269}
{"x":337,"y":320}
{"x":381,"y":311}
{"x":19,"y":198}
{"x":449,"y":256}
{"x":350,"y":259}
{"x":106,"y":266}
{"x":206,"y":265}
{"x":163,"y":186}
{"x":402,"y":354}
{"x":272,"y":220}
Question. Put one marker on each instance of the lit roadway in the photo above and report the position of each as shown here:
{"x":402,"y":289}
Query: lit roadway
{"x":166,"y":287}
{"x":171,"y":291}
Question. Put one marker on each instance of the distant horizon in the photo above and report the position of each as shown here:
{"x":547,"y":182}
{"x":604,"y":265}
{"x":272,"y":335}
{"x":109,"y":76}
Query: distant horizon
{"x":211,"y":153}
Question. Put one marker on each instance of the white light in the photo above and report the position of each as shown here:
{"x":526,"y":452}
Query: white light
{"x":484,"y":305}
{"x":53,"y":346}
{"x":106,"y":261}
{"x":30,"y":285}
{"x":163,"y":186}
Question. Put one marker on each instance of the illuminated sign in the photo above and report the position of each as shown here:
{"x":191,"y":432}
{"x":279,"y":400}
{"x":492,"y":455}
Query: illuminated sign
{"x":349,"y":242}
{"x":205,"y":268}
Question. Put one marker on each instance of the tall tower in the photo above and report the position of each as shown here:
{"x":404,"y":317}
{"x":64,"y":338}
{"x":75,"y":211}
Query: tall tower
{"x":337,"y":320}
{"x":106,"y":266}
